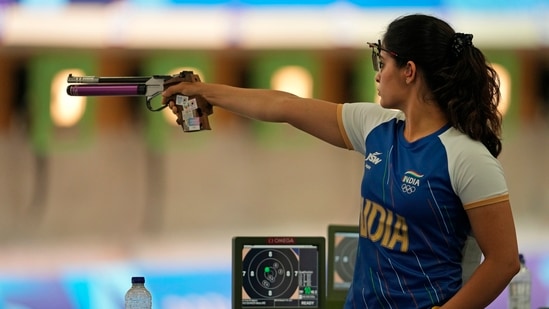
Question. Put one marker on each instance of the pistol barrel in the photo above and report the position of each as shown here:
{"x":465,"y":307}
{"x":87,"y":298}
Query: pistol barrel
{"x":107,"y":90}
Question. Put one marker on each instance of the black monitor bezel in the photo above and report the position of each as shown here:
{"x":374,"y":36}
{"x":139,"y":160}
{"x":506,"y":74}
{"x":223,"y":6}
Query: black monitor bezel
{"x":238,"y":244}
{"x":331,"y":292}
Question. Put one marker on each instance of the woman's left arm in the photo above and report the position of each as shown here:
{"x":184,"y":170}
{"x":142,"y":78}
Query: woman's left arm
{"x":494,"y":229}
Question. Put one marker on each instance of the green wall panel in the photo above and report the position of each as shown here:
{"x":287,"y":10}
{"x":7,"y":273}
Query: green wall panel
{"x":263,"y":67}
{"x":510,"y":61}
{"x":42,"y":69}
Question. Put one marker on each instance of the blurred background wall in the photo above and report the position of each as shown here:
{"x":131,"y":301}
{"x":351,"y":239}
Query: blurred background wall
{"x":95,"y":190}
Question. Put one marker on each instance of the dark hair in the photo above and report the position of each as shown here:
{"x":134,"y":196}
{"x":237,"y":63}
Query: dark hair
{"x":462,"y":83}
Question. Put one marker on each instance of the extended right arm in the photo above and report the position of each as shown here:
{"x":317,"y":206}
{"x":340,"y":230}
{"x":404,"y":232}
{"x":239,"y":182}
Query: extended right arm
{"x":316,"y":117}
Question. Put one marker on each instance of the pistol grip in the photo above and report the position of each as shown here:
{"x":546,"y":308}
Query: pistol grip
{"x":193,"y":111}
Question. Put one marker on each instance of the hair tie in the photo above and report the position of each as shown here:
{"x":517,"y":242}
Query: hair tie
{"x":460,"y":41}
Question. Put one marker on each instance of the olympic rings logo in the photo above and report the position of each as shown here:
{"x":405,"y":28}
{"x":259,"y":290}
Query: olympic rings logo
{"x":406,"y":188}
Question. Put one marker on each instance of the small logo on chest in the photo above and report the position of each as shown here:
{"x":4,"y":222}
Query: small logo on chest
{"x":411,"y":181}
{"x":373,"y":157}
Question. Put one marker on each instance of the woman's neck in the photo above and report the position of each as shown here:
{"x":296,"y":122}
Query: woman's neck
{"x":422,"y":119}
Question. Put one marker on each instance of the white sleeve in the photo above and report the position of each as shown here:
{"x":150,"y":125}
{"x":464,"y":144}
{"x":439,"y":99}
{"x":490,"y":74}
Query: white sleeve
{"x":477,"y":177}
{"x":360,"y":118}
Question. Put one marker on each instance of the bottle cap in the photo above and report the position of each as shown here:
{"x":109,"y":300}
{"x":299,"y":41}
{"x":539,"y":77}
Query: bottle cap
{"x":138,"y":279}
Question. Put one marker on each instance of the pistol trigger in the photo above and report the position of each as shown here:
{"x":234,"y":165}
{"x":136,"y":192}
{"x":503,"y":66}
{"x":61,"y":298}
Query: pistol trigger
{"x":148,"y":102}
{"x":149,"y":106}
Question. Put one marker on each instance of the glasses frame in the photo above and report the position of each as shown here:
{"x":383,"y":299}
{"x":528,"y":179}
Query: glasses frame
{"x":376,"y":54}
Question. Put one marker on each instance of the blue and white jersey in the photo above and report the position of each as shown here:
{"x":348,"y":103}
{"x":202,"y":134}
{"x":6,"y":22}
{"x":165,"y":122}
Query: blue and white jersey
{"x":413,"y":221}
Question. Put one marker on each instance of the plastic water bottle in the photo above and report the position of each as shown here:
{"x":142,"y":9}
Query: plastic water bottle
{"x":519,"y":287}
{"x":138,"y":297}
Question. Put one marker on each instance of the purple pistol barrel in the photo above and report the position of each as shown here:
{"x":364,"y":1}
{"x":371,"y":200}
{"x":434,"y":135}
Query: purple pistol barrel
{"x":107,"y":90}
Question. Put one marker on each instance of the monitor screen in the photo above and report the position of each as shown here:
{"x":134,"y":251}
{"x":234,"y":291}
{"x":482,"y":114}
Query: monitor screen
{"x":278,"y":272}
{"x":342,"y":248}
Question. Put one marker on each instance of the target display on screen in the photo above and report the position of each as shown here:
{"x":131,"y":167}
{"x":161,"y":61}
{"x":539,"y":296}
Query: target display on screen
{"x":278,"y":272}
{"x":344,"y":258}
{"x":342,"y":250}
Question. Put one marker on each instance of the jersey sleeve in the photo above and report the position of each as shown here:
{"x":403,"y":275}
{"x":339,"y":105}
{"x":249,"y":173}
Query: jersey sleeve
{"x":358,"y":119}
{"x":477,"y":176}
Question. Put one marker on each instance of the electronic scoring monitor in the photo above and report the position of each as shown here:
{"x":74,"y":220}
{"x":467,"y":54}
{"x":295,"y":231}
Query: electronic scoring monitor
{"x":342,"y":249}
{"x":278,"y":272}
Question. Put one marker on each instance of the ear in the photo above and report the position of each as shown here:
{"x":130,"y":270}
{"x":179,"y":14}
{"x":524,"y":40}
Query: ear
{"x":410,"y":72}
